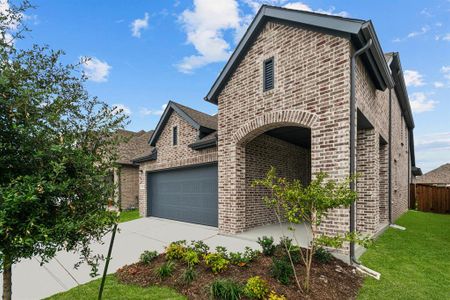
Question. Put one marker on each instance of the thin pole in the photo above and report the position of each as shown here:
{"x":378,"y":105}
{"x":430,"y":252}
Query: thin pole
{"x":108,"y":258}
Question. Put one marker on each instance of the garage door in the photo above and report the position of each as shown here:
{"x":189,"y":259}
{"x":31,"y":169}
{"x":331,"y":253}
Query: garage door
{"x":188,"y":194}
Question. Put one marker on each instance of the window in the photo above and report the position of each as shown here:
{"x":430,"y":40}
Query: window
{"x":175,"y":135}
{"x":268,"y":74}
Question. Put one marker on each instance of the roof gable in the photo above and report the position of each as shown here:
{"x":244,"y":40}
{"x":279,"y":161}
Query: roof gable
{"x":358,"y":31}
{"x":200,"y":121}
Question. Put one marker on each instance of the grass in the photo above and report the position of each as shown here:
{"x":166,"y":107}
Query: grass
{"x":115,"y":290}
{"x":415,"y":263}
{"x":129,"y":215}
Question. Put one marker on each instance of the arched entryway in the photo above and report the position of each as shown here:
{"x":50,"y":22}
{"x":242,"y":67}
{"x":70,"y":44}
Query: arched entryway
{"x":288,"y":149}
{"x":283,"y":139}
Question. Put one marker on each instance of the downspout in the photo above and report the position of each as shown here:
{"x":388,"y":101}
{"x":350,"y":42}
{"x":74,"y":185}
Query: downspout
{"x":390,"y":160}
{"x":353,"y":141}
{"x":353,"y":260}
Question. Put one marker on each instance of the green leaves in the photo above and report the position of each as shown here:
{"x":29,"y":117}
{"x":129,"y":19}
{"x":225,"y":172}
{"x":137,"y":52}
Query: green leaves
{"x":57,"y":150}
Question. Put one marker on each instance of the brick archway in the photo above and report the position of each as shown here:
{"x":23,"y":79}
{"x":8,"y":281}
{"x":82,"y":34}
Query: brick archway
{"x":271,"y":120}
{"x":237,"y":204}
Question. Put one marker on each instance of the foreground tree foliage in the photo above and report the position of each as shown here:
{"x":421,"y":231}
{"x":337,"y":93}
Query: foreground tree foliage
{"x":295,"y":203}
{"x":57,"y":149}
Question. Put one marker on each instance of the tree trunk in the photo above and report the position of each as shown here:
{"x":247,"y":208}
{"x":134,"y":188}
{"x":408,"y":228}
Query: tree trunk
{"x":7,"y":283}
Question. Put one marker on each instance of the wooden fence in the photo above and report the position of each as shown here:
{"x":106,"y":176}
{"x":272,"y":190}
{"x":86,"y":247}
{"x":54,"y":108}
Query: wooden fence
{"x":430,"y":198}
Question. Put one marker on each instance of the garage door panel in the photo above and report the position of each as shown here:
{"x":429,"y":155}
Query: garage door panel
{"x":188,"y":194}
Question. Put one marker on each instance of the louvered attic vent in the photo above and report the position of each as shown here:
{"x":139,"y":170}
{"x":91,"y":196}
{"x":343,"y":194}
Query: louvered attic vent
{"x":269,"y":77}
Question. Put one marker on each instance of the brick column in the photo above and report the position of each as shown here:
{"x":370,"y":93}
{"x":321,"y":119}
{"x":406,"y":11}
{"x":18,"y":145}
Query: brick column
{"x":142,"y":192}
{"x":384,"y":191}
{"x":231,"y":188}
{"x":368,"y":182}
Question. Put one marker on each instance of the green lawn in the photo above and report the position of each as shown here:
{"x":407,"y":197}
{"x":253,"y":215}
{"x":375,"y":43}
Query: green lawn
{"x":114,"y":290}
{"x":414,"y":264}
{"x":128,"y":215}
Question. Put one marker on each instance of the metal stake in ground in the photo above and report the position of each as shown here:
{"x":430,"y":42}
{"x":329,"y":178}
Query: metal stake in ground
{"x":105,"y":271}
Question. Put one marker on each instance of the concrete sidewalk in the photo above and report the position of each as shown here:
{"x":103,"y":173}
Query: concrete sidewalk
{"x":32,"y":281}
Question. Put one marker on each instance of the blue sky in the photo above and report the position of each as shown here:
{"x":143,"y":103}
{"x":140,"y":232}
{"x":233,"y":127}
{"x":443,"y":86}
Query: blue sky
{"x":147,"y":52}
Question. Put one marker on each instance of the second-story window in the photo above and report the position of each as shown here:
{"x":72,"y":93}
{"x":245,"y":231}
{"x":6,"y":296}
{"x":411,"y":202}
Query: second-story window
{"x":175,"y":135}
{"x":268,"y":74}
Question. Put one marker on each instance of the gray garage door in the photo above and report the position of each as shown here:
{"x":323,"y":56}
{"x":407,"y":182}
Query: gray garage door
{"x":188,"y":194}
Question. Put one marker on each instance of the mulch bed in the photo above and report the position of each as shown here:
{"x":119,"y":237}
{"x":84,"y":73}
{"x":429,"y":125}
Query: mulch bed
{"x":332,"y":280}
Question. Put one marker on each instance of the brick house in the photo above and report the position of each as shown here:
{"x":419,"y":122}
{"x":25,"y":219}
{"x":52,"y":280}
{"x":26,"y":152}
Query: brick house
{"x":437,"y":177}
{"x":288,"y":97}
{"x":126,"y":175}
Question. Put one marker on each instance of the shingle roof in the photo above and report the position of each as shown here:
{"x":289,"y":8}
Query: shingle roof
{"x":135,"y":146}
{"x":438,"y":175}
{"x":201,"y":118}
{"x":203,"y":122}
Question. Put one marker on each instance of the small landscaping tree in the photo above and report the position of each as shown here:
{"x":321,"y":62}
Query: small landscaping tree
{"x":294,"y":203}
{"x":57,"y":149}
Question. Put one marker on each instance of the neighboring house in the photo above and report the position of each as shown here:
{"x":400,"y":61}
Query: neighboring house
{"x":283,"y":100}
{"x":438,"y":177}
{"x":127,"y":174}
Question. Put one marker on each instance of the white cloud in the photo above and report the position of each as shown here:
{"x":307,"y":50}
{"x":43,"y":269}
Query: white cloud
{"x":4,"y":8}
{"x":422,"y":31}
{"x":208,"y":21}
{"x":153,"y":112}
{"x":121,"y":108}
{"x":426,"y":12}
{"x":420,"y":103}
{"x":446,"y":71}
{"x":413,"y":78}
{"x":256,"y":4}
{"x":205,"y":26}
{"x":96,"y":70}
{"x":414,"y":34}
{"x":438,"y":84}
{"x":432,"y":150}
{"x":305,"y":7}
{"x":446,"y":37}
{"x":138,"y":25}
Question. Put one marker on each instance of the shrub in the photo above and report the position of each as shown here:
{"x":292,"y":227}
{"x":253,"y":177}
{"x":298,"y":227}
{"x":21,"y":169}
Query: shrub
{"x":216,"y":262}
{"x":256,"y":288}
{"x":191,"y":257}
{"x":251,"y":254}
{"x":226,"y":289}
{"x":285,"y":241}
{"x":275,"y":296}
{"x":238,"y":259}
{"x":189,"y":275}
{"x":176,"y":250}
{"x":296,"y":255}
{"x":266,"y":243}
{"x":282,"y":271}
{"x":322,"y":255}
{"x":294,"y":250}
{"x":165,"y":270}
{"x":242,"y":259}
{"x":222,"y":251}
{"x":200,"y":247}
{"x":147,"y":256}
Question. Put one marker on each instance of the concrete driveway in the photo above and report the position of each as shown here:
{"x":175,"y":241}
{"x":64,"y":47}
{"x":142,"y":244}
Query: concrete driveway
{"x":32,"y":281}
